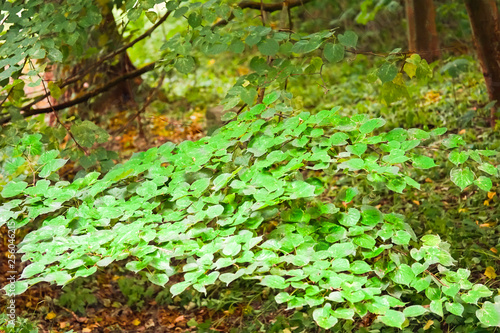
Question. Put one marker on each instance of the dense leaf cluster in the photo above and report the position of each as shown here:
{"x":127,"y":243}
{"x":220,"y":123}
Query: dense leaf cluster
{"x":245,"y":203}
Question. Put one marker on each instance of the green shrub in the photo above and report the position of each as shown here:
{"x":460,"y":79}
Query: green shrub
{"x":255,"y":201}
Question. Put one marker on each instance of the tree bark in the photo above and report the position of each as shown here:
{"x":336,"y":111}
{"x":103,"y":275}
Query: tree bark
{"x":483,"y":16}
{"x":422,"y":34}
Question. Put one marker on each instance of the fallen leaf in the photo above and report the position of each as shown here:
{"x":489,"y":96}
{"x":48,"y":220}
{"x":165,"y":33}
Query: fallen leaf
{"x":87,"y":330}
{"x":486,"y":202}
{"x":490,"y":272}
{"x":416,"y":202}
{"x":494,"y":250}
{"x":428,"y":180}
{"x":462,"y":132}
{"x":178,"y":319}
{"x":462,"y":210}
{"x":428,"y":324}
{"x":63,"y":324}
{"x":491,"y":195}
{"x":485,"y":225}
{"x":50,"y":315}
{"x":136,"y":322}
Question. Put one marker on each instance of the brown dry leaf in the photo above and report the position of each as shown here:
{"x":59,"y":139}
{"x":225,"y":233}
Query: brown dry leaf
{"x":428,"y":324}
{"x":50,"y":315}
{"x":87,"y":330}
{"x":428,"y":180}
{"x":178,"y":319}
{"x":490,"y":272}
{"x":136,"y":322}
{"x":63,"y":324}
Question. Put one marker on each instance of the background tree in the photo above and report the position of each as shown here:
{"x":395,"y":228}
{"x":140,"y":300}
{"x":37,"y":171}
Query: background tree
{"x":422,"y":34}
{"x":483,"y":15}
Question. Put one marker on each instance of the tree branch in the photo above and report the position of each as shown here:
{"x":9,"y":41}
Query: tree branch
{"x":271,"y":7}
{"x":88,"y":69}
{"x":31,"y":112}
{"x":267,"y":7}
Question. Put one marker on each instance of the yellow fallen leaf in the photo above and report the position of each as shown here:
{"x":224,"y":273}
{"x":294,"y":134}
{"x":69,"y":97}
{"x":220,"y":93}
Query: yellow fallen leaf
{"x":491,"y":195}
{"x":462,"y":132}
{"x":485,"y":225}
{"x":50,"y":315}
{"x":462,"y":210}
{"x":428,"y":180}
{"x":416,"y":202}
{"x":486,"y":202}
{"x":428,"y":324}
{"x":136,"y":322}
{"x":490,"y":272}
{"x":494,"y":250}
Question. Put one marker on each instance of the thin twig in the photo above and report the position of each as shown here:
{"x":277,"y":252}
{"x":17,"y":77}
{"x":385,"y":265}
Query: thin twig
{"x":31,"y":112}
{"x":57,"y":116}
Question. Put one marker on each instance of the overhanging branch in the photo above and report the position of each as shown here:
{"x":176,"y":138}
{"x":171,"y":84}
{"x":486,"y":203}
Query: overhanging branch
{"x":267,"y":7}
{"x":31,"y":112}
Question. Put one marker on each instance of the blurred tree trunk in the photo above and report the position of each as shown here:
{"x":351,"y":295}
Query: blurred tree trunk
{"x":422,"y":34}
{"x":483,"y":16}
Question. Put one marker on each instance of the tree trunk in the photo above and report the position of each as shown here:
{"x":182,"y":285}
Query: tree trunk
{"x":483,"y":16}
{"x":422,"y":34}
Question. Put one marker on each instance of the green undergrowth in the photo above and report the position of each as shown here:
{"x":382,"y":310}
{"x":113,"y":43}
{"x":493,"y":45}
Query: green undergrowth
{"x":255,"y":201}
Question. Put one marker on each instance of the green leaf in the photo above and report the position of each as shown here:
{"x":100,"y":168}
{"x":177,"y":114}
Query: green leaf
{"x":456,"y":308}
{"x":323,"y":317}
{"x":462,"y":177}
{"x":178,"y":288}
{"x":271,"y":97}
{"x":484,"y":183}
{"x":387,"y":72}
{"x":32,"y":270}
{"x":158,"y":279}
{"x":423,"y":162}
{"x":147,"y":189}
{"x":371,"y":217}
{"x":353,"y":164}
{"x":341,"y":250}
{"x":200,"y":185}
{"x":436,"y":307}
{"x":414,"y":311}
{"x":371,"y":125}
{"x":401,"y":238}
{"x":357,"y":149}
{"x":393,"y":318}
{"x":13,"y":188}
{"x":431,"y":240}
{"x":306,"y":45}
{"x":333,"y":52}
{"x":268,"y":47}
{"x":220,"y":181}
{"x":360,"y":267}
{"x":185,"y":65}
{"x":274,"y":281}
{"x":231,"y":249}
{"x":403,"y":275}
{"x":396,"y":185}
{"x":366,"y":241}
{"x":488,"y":168}
{"x":348,"y":39}
{"x":350,"y":218}
{"x":457,"y":157}
{"x":214,"y":211}
{"x":489,"y":314}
